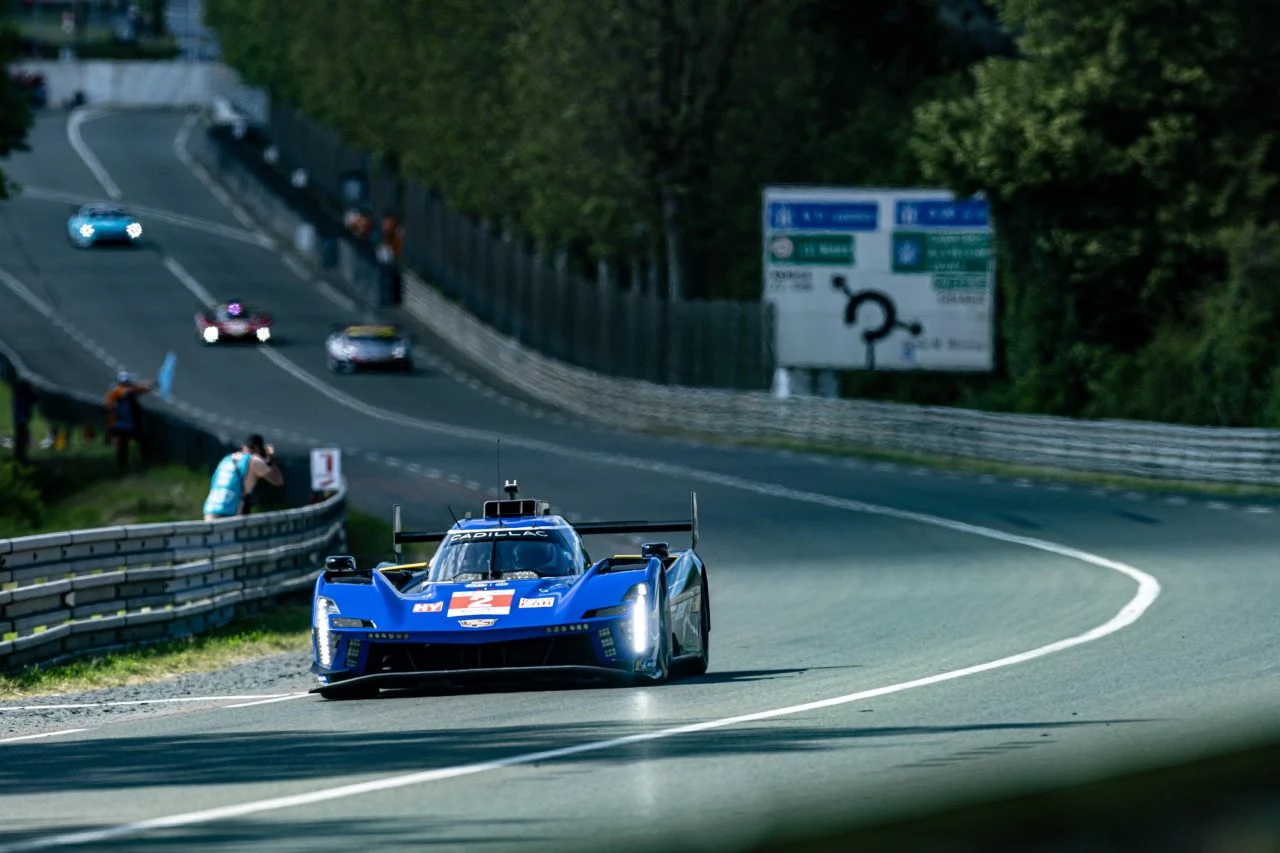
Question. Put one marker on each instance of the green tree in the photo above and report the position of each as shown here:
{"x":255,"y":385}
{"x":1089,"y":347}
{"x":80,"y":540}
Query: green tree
{"x":631,"y":97}
{"x":1115,"y":149}
{"x":15,"y":109}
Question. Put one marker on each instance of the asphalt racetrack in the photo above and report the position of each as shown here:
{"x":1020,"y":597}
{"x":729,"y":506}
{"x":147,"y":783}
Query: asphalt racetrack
{"x":884,"y":638}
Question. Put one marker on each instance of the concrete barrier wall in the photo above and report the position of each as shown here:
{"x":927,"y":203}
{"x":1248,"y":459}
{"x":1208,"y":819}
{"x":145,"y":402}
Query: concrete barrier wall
{"x":131,"y":83}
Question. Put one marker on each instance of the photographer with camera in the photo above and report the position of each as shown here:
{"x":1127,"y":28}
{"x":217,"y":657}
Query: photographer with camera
{"x":231,"y":488}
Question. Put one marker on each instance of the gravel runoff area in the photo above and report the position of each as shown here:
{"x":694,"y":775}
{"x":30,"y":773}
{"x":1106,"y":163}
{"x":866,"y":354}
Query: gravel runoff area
{"x":273,"y":675}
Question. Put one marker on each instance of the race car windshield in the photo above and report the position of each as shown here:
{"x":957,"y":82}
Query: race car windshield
{"x":488,"y":557}
{"x":105,"y":212}
{"x":359,"y":334}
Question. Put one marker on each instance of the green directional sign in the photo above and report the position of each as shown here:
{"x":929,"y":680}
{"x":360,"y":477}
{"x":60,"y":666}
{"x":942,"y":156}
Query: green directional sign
{"x":941,"y":252}
{"x":808,"y":249}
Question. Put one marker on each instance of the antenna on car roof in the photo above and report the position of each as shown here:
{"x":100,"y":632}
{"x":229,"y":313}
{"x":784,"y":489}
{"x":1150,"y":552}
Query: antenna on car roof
{"x":499,"y":460}
{"x":452,"y":513}
{"x":395,"y":540}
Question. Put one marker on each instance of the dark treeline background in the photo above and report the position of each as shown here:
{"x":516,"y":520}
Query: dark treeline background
{"x":1128,"y":148}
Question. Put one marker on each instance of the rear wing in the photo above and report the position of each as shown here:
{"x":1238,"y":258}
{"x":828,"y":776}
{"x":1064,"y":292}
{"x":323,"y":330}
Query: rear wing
{"x":586,"y":528}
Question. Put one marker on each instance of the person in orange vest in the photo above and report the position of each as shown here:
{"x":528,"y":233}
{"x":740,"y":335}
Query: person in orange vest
{"x":125,"y":418}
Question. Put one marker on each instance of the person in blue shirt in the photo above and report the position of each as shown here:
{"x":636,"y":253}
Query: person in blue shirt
{"x":231,"y":487}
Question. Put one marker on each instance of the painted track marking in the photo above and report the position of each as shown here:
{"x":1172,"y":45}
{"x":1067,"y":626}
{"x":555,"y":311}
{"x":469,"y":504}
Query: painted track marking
{"x":78,"y":118}
{"x":122,"y":703}
{"x":1148,"y":589}
{"x":288,"y":698}
{"x":41,"y":735}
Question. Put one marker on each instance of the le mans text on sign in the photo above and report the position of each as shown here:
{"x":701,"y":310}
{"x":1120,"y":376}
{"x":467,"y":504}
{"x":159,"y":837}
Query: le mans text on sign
{"x":874,"y":279}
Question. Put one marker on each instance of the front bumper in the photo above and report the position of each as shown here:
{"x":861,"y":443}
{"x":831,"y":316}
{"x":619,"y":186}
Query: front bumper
{"x":415,"y":680}
{"x":594,"y":648}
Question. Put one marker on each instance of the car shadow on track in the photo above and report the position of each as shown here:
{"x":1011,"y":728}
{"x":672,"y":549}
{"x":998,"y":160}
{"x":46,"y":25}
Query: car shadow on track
{"x":526,"y":685}
{"x":339,"y":742}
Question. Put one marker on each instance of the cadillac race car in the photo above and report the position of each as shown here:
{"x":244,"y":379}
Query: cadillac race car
{"x":350,"y":348}
{"x":512,"y":595}
{"x":233,"y":321}
{"x":102,"y":223}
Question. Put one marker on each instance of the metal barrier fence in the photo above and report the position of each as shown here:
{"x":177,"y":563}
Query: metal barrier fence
{"x":63,"y":594}
{"x":600,"y":327}
{"x":1226,"y":455}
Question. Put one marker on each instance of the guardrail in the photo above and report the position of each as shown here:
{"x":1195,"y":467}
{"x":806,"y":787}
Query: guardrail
{"x":66,"y":594}
{"x":1212,"y":454}
{"x":63,"y":594}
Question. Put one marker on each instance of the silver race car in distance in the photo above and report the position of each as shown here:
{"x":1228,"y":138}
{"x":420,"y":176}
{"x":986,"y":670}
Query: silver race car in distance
{"x":379,"y":347}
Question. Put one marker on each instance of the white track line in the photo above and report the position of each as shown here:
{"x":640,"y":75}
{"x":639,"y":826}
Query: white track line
{"x":273,"y":697}
{"x":42,"y":735}
{"x":335,"y":296}
{"x":79,"y":117}
{"x":189,"y":281}
{"x":43,"y":308}
{"x":1148,"y":589}
{"x":291,"y":696}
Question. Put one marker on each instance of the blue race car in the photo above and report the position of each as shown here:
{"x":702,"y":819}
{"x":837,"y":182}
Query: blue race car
{"x":512,"y":595}
{"x":103,"y":223}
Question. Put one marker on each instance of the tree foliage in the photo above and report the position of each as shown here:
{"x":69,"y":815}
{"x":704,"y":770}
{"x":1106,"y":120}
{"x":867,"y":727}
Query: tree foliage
{"x":1116,"y":151}
{"x":1129,"y":149}
{"x":15,"y":110}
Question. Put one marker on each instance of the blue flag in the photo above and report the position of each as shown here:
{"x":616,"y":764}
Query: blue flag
{"x":164,"y":379}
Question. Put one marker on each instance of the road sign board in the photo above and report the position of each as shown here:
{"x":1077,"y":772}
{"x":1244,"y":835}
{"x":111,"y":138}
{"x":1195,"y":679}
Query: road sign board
{"x":879,"y":279}
{"x":326,"y":469}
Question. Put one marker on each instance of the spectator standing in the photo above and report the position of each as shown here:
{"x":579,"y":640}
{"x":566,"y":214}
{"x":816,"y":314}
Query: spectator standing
{"x":390,"y":247}
{"x":24,"y":401}
{"x":237,"y":475}
{"x":125,"y":418}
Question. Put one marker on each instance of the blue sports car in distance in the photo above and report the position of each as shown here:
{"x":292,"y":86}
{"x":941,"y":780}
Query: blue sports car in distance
{"x":103,"y":223}
{"x":512,"y":595}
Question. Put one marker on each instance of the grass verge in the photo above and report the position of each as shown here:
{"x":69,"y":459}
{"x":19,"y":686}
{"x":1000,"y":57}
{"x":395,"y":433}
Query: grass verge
{"x":284,"y":628}
{"x":995,"y":469}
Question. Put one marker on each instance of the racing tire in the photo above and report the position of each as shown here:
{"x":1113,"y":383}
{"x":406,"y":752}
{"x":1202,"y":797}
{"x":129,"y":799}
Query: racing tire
{"x":665,"y":642}
{"x":700,"y":664}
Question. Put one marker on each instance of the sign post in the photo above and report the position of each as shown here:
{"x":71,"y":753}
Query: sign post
{"x":874,"y":279}
{"x":326,"y":469}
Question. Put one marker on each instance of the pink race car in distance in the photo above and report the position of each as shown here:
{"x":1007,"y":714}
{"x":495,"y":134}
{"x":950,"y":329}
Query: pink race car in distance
{"x":234,"y":321}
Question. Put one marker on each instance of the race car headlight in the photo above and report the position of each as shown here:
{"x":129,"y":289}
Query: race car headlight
{"x":264,"y":334}
{"x":639,"y":596}
{"x":134,"y":230}
{"x":210,"y":334}
{"x":399,"y":351}
{"x":348,"y":351}
{"x":326,"y":642}
{"x":86,"y":230}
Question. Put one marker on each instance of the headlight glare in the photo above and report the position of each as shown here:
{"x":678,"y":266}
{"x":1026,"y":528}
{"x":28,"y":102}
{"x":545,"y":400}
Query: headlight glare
{"x":264,"y":334}
{"x":326,"y":642}
{"x":134,"y":230}
{"x":210,"y":334}
{"x":86,"y":230}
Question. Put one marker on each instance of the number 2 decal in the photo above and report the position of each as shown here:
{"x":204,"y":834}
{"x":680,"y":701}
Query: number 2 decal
{"x":481,"y":599}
